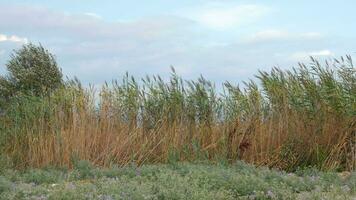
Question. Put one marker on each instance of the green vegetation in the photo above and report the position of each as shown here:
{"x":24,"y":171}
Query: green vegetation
{"x":287,"y":119}
{"x":32,"y":70}
{"x":175,"y":181}
{"x":304,"y":118}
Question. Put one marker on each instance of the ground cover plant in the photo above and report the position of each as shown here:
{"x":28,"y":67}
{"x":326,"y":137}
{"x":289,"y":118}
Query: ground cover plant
{"x":175,"y":181}
{"x":286,"y":119}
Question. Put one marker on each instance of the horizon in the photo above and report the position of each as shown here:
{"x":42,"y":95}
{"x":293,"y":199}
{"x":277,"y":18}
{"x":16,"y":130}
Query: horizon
{"x":221,"y":40}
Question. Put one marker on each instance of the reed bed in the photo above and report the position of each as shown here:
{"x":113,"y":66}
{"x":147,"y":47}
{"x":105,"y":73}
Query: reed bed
{"x":286,"y":119}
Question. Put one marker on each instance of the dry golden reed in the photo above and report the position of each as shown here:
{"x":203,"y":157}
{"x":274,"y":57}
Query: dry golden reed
{"x":288,"y":119}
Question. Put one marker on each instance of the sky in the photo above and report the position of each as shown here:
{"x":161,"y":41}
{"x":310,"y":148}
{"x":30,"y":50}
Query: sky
{"x":223,"y":40}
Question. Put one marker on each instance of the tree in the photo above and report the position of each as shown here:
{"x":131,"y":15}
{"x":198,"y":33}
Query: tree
{"x":32,"y":70}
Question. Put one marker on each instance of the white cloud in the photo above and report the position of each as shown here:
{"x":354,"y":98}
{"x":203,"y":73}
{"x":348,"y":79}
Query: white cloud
{"x":3,"y":38}
{"x":275,"y":35}
{"x":15,"y":38}
{"x":303,"y":55}
{"x":12,"y":38}
{"x":94,"y":15}
{"x":312,"y":35}
{"x":98,"y":50}
{"x":220,"y":16}
{"x":268,"y":35}
{"x":45,"y":23}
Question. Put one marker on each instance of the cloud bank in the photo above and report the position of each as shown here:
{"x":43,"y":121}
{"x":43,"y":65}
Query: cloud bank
{"x":12,"y":38}
{"x":96,"y":50}
{"x":221,"y":16}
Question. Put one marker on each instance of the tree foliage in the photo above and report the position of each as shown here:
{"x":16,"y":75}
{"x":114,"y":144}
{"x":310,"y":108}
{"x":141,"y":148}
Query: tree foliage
{"x":32,"y":70}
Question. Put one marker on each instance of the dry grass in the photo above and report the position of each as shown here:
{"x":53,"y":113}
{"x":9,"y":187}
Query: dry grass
{"x":290,"y":119}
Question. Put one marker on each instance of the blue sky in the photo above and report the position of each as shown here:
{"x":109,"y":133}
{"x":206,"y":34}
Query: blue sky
{"x":222,"y":40}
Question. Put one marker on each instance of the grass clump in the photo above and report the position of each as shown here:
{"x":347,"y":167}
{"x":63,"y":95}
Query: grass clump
{"x":46,"y":176}
{"x":5,"y":185}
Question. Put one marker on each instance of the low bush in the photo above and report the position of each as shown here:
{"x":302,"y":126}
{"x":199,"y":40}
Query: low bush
{"x":184,"y":181}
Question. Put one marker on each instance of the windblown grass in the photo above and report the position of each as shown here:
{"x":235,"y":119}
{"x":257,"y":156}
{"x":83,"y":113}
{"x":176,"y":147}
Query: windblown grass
{"x":288,"y":119}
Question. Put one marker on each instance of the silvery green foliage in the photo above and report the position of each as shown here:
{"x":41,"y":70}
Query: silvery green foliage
{"x":175,"y":181}
{"x":31,"y":70}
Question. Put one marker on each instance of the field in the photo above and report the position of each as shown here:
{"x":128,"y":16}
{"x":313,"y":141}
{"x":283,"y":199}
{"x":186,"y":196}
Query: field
{"x":176,"y":181}
{"x":143,"y":135}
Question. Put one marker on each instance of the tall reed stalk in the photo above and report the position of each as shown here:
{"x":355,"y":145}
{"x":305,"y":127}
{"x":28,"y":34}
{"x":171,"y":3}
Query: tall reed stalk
{"x":287,"y":119}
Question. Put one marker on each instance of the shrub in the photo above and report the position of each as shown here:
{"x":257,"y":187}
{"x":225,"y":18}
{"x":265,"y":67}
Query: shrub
{"x":84,"y":169}
{"x":39,"y":176}
{"x":31,"y":70}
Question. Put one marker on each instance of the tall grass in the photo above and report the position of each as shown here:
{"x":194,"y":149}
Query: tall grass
{"x":287,"y":119}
